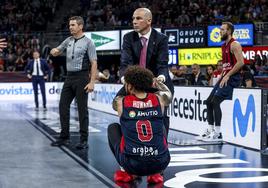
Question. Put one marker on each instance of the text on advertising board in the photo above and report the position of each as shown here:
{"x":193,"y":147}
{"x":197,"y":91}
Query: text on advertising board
{"x":243,"y":33}
{"x":249,"y":53}
{"x":201,"y":56}
{"x":186,"y":37}
{"x":172,"y":56}
{"x":192,"y":109}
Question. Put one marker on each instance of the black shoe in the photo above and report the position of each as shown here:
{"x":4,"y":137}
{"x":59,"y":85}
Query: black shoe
{"x":82,"y":145}
{"x":60,"y":142}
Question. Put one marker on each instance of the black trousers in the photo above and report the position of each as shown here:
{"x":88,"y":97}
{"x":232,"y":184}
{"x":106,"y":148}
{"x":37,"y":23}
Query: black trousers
{"x":74,"y":88}
{"x":217,"y":96}
{"x":114,"y":136}
{"x":41,"y":81}
{"x":214,"y":113}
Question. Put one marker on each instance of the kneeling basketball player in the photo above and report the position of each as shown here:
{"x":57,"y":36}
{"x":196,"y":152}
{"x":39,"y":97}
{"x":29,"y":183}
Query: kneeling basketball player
{"x":139,"y":141}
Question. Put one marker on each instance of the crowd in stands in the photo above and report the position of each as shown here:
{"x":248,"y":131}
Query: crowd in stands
{"x":26,"y":16}
{"x":259,"y":66}
{"x":18,"y":52}
{"x":171,"y":13}
{"x":210,"y":75}
{"x":21,"y":21}
{"x":196,"y":75}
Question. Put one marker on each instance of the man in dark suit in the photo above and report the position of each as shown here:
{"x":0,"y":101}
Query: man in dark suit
{"x":197,"y":78}
{"x":148,"y":48}
{"x":38,"y":70}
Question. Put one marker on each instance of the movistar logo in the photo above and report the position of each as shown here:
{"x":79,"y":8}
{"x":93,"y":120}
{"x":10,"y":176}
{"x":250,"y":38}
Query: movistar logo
{"x":100,"y":40}
{"x":243,"y":120}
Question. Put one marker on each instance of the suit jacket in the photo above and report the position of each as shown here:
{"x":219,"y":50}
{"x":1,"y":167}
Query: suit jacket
{"x":157,"y":54}
{"x":201,"y":80}
{"x":44,"y":67}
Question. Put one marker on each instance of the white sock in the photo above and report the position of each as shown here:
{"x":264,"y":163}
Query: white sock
{"x":217,"y":129}
{"x":210,"y":128}
{"x":122,"y":169}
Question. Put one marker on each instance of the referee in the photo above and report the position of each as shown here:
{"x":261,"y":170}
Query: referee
{"x":80,"y":58}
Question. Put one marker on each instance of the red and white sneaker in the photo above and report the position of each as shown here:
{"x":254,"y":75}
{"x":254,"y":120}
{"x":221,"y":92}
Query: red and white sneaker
{"x":155,"y":178}
{"x":123,"y":176}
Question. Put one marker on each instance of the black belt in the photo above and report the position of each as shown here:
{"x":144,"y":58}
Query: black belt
{"x":77,"y":73}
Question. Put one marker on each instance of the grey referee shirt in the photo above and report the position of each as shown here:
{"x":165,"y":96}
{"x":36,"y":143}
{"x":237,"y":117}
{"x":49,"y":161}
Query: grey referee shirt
{"x":79,"y":52}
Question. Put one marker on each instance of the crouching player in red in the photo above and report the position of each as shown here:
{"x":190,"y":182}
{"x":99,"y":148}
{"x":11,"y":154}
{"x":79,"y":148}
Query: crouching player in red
{"x":139,"y":142}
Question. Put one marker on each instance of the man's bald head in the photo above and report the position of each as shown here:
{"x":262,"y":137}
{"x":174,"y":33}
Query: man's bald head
{"x":142,"y":20}
{"x":147,"y":13}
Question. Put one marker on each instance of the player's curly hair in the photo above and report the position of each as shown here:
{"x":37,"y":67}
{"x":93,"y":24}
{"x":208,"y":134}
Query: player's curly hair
{"x":140,"y":78}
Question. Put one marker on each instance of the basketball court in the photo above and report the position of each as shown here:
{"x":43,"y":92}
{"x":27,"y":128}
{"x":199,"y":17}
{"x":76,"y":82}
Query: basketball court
{"x":29,"y":160}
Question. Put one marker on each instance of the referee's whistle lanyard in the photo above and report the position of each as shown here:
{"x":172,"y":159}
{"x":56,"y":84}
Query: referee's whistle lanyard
{"x":73,"y":50}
